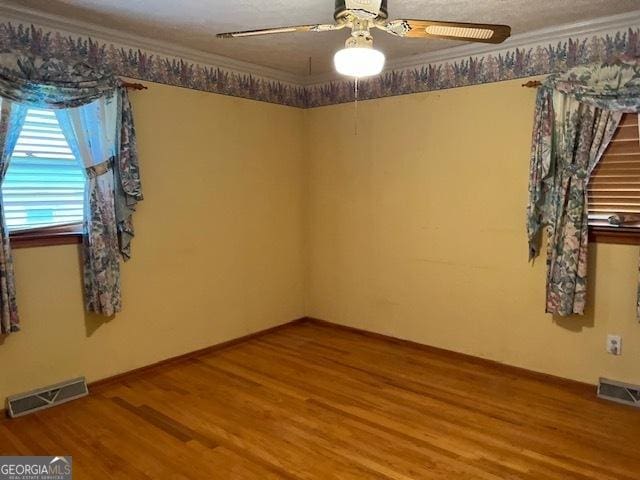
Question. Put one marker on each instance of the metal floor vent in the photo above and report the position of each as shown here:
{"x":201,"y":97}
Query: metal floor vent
{"x":619,"y":392}
{"x":25,"y":403}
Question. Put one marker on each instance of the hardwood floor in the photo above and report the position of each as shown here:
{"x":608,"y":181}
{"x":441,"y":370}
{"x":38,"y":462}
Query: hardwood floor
{"x":312,"y":401}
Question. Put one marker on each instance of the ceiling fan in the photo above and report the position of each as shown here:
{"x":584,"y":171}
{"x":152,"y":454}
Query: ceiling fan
{"x":359,"y":59}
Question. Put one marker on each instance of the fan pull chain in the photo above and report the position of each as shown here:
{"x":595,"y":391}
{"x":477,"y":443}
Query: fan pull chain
{"x":356,"y":108}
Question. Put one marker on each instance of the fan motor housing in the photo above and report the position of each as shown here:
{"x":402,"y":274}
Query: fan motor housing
{"x":341,"y":10}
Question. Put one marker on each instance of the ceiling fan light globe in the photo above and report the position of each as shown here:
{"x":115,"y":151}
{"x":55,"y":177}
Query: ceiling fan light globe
{"x":359,"y":62}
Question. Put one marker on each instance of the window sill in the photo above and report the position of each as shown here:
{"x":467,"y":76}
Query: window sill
{"x":68,"y":235}
{"x":615,"y":235}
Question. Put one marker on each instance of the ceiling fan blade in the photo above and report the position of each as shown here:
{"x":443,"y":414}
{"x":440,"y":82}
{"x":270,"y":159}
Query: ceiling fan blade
{"x":270,"y":31}
{"x":364,"y":8}
{"x":472,"y":32}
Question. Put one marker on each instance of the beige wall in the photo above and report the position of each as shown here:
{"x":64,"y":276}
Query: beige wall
{"x":218,"y":252}
{"x":416,"y":230}
{"x":256,"y":214}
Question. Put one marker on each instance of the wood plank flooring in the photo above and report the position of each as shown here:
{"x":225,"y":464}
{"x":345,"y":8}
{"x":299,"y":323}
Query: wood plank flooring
{"x":312,"y":401}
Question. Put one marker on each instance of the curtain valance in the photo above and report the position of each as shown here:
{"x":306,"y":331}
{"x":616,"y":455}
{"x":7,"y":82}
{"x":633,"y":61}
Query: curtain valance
{"x":53,"y":82}
{"x":613,"y":87}
{"x":576,"y":116}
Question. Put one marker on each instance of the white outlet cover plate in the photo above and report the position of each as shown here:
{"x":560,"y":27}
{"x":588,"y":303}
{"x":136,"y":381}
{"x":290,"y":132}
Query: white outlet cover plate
{"x":614,"y":344}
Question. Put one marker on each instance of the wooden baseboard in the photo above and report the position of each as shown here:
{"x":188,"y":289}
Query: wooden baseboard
{"x":96,"y":384}
{"x":580,"y":387}
{"x":190,"y":355}
{"x":575,"y":385}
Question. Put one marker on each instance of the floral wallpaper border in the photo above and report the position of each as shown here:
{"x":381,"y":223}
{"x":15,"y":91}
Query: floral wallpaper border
{"x":487,"y":68}
{"x":492,"y":67}
{"x":152,"y":67}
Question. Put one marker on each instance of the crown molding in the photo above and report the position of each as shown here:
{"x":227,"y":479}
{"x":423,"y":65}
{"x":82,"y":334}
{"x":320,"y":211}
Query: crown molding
{"x":543,"y":36}
{"x":76,"y":27}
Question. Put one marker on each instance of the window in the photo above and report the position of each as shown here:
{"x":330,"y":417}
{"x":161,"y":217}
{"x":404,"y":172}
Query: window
{"x":614,"y":188}
{"x":43,"y":190}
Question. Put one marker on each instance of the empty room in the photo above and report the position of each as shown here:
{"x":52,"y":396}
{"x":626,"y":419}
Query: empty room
{"x":320,"y":239}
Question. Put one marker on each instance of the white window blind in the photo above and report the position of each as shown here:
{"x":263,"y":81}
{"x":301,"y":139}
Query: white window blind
{"x":614,"y":187}
{"x":44,"y":185}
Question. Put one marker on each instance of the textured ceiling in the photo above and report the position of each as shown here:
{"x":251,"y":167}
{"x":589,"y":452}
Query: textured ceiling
{"x":194,"y":23}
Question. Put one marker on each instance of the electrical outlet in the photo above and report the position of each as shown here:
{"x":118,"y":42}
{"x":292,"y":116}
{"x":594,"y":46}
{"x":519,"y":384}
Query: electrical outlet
{"x":614,"y":344}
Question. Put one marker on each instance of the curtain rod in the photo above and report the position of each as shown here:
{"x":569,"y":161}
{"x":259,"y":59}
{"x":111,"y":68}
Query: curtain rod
{"x":532,"y":84}
{"x":134,"y":86}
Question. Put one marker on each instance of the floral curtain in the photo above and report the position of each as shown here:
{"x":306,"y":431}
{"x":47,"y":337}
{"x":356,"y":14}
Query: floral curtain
{"x":541,"y":175}
{"x":128,"y":185}
{"x":91,"y":130}
{"x":113,"y":172}
{"x":12,"y":117}
{"x":582,"y":134}
{"x":576,"y":116}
